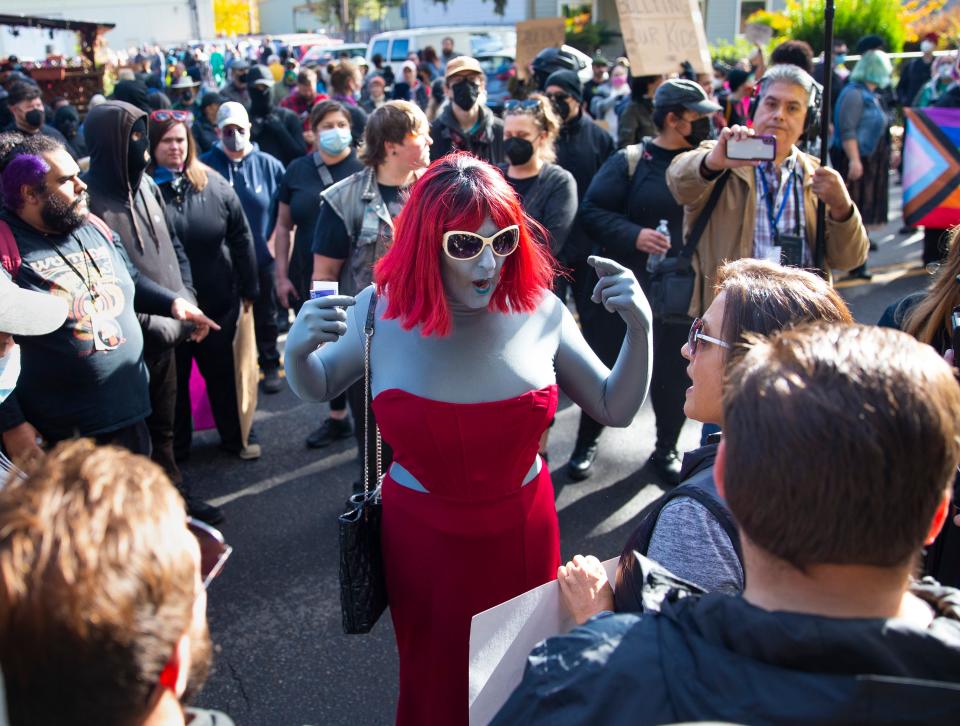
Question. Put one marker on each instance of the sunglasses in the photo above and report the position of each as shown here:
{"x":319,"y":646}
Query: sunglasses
{"x":468,"y":245}
{"x":213,"y":550}
{"x":528,"y":104}
{"x":697,"y":334}
{"x":558,"y":97}
{"x":168,"y":114}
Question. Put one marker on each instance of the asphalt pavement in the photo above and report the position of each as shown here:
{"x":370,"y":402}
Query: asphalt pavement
{"x":281,"y":657}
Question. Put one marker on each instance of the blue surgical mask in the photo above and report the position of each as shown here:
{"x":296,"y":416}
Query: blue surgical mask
{"x":9,"y":372}
{"x":333,"y":141}
{"x":839,"y":59}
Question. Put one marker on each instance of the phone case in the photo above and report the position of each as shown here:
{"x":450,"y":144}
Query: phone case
{"x":756,"y":148}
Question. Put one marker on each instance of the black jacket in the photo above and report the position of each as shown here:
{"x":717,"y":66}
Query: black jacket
{"x":716,"y":657}
{"x":134,"y":209}
{"x":280,"y":134}
{"x":50,"y":131}
{"x":204,"y":133}
{"x":582,"y":147}
{"x":485,"y":142}
{"x":913,"y":75}
{"x":217,"y":239}
{"x":552,"y":201}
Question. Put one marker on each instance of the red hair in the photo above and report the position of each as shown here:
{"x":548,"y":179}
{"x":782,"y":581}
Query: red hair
{"x":458,"y":191}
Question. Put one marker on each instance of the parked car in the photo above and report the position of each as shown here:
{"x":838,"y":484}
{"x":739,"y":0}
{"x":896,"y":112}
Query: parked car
{"x":396,"y":45}
{"x":320,"y":55}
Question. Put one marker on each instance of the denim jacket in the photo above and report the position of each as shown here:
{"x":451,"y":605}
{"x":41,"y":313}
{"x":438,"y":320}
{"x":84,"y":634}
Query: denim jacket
{"x":868,"y":128}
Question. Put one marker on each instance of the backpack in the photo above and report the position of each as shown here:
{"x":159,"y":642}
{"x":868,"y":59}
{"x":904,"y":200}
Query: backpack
{"x":10,"y":258}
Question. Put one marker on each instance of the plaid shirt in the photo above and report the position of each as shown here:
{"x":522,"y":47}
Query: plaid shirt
{"x":778,"y":184}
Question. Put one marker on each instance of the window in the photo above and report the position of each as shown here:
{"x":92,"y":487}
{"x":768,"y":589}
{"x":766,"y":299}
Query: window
{"x":399,"y":49}
{"x":748,"y":8}
{"x":380,"y":47}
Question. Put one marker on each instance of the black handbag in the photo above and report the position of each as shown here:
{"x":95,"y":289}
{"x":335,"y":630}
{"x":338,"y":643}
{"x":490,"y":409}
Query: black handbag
{"x":672,"y":282}
{"x":363,"y":586}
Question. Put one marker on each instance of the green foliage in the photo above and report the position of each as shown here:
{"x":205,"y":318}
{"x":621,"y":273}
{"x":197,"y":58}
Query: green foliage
{"x":853,"y":19}
{"x":589,"y":37}
{"x":730,"y":53}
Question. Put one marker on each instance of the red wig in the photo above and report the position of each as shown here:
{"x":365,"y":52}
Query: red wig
{"x":458,"y":192}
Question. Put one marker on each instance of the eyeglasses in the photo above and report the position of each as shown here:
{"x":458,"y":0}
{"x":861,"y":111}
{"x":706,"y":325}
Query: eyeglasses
{"x":213,"y":550}
{"x":168,"y":114}
{"x":468,"y":245}
{"x":527,"y":104}
{"x":697,"y":334}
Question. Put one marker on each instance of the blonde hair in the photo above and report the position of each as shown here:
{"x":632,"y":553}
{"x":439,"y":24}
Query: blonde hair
{"x":931,"y":315}
{"x":546,"y":120}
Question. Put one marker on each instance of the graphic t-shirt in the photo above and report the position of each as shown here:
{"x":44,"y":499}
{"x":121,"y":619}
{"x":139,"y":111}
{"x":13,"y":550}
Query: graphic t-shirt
{"x":88,"y":376}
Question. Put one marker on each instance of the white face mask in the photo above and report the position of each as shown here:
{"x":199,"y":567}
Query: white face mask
{"x":9,"y":372}
{"x":927,"y":46}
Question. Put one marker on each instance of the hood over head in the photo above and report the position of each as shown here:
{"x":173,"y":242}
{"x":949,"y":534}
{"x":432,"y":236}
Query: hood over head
{"x":134,"y":92}
{"x":107,"y":134}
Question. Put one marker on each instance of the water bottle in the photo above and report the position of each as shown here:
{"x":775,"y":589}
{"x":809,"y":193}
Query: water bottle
{"x":655,"y":258}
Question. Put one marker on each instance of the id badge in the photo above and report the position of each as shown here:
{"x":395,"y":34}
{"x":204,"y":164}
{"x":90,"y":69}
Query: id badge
{"x":791,"y":250}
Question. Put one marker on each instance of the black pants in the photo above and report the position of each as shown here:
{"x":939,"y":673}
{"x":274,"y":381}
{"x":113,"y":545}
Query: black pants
{"x":135,"y":438}
{"x":355,"y":396}
{"x":214,"y":356}
{"x":265,"y":319}
{"x":934,"y":245}
{"x":605,"y":332}
{"x":163,"y":401}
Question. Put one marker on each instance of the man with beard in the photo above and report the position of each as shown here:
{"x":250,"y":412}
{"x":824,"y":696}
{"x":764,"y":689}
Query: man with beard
{"x":26,"y":105}
{"x":277,"y":131}
{"x":88,"y":377}
{"x":103,"y":606}
{"x":466,"y":124}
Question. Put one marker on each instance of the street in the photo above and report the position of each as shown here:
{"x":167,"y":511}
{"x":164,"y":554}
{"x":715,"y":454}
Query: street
{"x":281,"y":656}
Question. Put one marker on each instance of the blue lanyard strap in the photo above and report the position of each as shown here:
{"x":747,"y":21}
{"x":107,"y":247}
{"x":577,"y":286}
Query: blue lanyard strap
{"x":768,"y":196}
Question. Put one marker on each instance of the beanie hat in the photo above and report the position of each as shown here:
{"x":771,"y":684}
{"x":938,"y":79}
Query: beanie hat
{"x":568,"y":81}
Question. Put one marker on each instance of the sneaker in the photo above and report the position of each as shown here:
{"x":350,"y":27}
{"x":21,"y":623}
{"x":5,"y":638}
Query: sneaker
{"x":199,"y":509}
{"x":581,"y":461}
{"x":329,"y":431}
{"x":666,"y":464}
{"x":250,"y":452}
{"x":271,"y":382}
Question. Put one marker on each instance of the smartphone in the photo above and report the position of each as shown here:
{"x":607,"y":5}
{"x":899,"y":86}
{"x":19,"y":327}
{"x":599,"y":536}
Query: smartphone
{"x":756,"y":148}
{"x":955,"y":334}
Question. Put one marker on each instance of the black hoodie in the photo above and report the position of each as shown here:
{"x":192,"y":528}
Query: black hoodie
{"x":485,"y":140}
{"x":134,"y":209}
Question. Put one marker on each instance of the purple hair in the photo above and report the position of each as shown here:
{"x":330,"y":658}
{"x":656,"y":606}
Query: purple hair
{"x":25,"y":169}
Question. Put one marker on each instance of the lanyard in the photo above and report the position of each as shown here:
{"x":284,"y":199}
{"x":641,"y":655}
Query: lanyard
{"x":91,"y":289}
{"x":771,"y":202}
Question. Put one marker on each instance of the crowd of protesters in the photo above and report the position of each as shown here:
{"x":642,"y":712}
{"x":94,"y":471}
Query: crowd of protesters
{"x":211,"y":186}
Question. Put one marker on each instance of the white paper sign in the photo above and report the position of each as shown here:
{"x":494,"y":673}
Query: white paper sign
{"x":502,"y":637}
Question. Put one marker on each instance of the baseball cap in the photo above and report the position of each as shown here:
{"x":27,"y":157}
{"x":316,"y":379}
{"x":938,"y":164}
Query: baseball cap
{"x":681,"y":92}
{"x":232,"y":113}
{"x":25,"y":312}
{"x":259,"y":76}
{"x":239,"y":64}
{"x":461,"y":64}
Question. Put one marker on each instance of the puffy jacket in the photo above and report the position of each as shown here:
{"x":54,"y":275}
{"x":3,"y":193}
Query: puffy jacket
{"x":134,"y":209}
{"x":716,"y":657}
{"x":729,"y":233}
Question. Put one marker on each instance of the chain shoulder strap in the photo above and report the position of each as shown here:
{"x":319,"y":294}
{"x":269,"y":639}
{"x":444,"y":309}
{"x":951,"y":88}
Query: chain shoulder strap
{"x":367,"y":338}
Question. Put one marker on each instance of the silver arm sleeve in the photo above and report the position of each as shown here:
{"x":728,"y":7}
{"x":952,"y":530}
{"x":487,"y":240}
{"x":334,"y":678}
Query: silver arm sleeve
{"x":610,"y":397}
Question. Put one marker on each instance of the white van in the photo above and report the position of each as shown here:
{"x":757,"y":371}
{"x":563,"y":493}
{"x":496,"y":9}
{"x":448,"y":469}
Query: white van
{"x":396,"y":45}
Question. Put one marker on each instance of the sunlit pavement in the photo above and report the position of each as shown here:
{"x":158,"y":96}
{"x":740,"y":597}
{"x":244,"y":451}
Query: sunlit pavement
{"x":274,"y":613}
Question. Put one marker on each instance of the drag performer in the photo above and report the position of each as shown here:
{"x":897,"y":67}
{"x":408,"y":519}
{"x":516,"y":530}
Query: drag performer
{"x":469,"y":349}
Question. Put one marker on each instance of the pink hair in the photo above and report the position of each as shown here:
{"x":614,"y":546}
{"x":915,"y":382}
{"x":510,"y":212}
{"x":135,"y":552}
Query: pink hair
{"x":458,"y":191}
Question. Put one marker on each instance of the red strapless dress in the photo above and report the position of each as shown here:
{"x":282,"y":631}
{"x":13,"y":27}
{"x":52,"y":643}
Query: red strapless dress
{"x":476,"y":540}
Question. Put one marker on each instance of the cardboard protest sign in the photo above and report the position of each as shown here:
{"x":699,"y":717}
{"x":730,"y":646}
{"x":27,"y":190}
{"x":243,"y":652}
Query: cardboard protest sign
{"x":931,"y":167}
{"x":659,"y":35}
{"x":758,"y":34}
{"x":535,"y":35}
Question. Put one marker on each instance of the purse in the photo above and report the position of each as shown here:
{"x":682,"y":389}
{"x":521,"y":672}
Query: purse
{"x":672,"y":282}
{"x":363,"y":586}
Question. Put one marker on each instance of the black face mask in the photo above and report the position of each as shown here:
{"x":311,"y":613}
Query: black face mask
{"x":259,"y":101}
{"x":34,"y":118}
{"x":137,"y":156}
{"x":186,"y":98}
{"x":562,"y":108}
{"x":68,"y":129}
{"x":699,"y":131}
{"x":518,"y":151}
{"x":465,"y":94}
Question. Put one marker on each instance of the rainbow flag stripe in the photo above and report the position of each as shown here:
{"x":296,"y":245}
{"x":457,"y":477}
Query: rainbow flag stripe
{"x":931,"y":167}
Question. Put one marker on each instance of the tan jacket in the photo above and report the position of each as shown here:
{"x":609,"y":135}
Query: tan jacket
{"x":729,"y":233}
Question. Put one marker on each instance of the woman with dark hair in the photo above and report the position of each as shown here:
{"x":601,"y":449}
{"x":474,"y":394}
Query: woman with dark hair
{"x":298,"y":207}
{"x":927,"y":316}
{"x":690,"y":531}
{"x":431,"y":63}
{"x":469,"y":351}
{"x":209,"y":220}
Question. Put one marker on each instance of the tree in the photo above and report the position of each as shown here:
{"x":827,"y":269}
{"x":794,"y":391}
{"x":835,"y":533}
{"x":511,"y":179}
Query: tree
{"x":331,"y":11}
{"x":499,"y":6}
